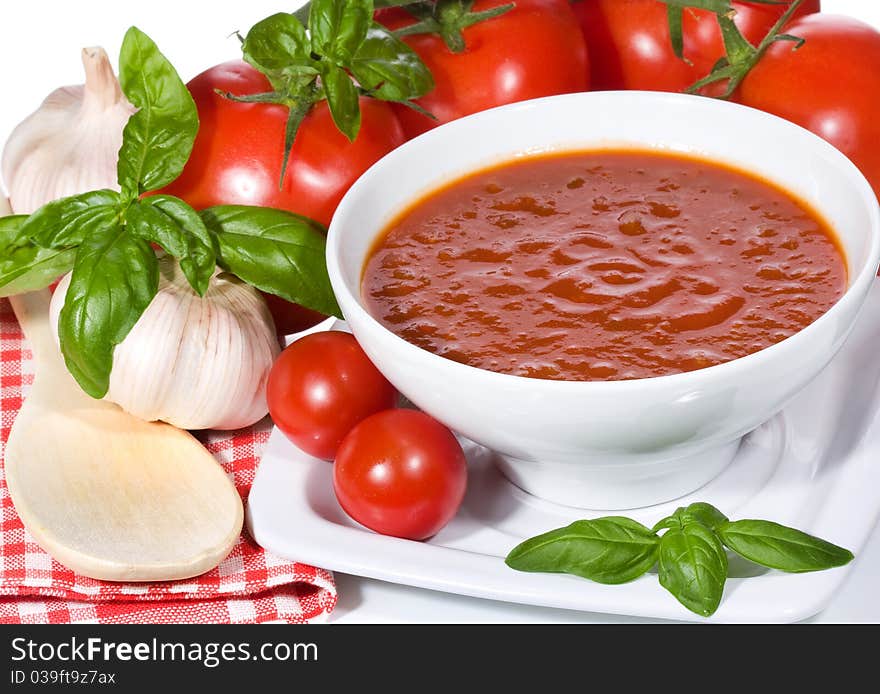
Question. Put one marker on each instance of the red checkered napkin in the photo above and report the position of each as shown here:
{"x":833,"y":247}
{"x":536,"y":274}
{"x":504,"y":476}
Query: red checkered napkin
{"x":250,"y":585}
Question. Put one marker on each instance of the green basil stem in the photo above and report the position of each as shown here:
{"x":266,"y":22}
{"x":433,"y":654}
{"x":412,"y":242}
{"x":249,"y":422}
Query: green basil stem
{"x":741,"y":56}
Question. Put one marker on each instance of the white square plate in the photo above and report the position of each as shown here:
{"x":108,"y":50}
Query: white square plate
{"x":815,"y":466}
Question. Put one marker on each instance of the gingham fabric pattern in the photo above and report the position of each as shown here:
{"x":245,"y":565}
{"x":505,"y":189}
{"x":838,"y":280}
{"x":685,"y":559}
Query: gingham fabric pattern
{"x":249,"y":586}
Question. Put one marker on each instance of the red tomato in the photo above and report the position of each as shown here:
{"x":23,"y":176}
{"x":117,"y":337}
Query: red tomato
{"x":535,"y":49}
{"x":290,"y":318}
{"x":831,"y":85}
{"x":238,"y":151}
{"x":400,"y":473}
{"x":320,"y":387}
{"x":630,"y":46}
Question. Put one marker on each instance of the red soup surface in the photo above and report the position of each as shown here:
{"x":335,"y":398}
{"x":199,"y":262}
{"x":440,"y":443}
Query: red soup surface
{"x":603,"y":265}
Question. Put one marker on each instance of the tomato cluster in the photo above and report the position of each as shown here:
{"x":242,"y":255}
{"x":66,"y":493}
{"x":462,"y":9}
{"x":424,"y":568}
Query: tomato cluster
{"x":830,"y":85}
{"x":398,"y":471}
{"x":631,"y":47}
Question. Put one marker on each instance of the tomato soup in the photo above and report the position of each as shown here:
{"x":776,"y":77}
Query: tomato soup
{"x":603,"y":265}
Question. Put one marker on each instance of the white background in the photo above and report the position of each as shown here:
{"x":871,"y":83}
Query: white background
{"x":40,"y":46}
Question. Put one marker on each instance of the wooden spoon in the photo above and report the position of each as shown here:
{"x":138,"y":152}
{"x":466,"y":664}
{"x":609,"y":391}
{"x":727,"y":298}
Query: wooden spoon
{"x":109,"y":495}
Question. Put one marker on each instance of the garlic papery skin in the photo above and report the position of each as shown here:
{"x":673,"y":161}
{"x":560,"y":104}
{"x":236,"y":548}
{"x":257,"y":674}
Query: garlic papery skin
{"x":194,"y":362}
{"x":70,"y":144}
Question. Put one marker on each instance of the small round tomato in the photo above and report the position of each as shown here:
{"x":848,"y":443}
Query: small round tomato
{"x":830,"y":85}
{"x":320,"y":387}
{"x":400,"y":473}
{"x":630,"y":46}
{"x":238,"y":151}
{"x":535,"y":49}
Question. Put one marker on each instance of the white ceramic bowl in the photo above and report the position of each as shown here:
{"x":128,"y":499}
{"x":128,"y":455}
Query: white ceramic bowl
{"x":619,"y":444}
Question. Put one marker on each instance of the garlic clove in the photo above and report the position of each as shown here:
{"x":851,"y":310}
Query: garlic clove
{"x":70,"y":144}
{"x":194,"y":362}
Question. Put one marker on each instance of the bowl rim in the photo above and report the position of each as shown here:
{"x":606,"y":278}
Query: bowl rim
{"x":858,"y":284}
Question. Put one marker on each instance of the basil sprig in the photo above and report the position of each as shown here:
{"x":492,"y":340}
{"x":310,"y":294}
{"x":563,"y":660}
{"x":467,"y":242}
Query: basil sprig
{"x":104,"y":236}
{"x":343,"y":55}
{"x":690,"y":554}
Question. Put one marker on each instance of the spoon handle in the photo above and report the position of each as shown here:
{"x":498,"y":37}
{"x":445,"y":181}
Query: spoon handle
{"x":32,"y":311}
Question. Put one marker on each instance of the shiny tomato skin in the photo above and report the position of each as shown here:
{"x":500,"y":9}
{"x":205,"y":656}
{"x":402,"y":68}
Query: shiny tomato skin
{"x":400,"y":473}
{"x":239,"y":149}
{"x":630,"y":47}
{"x":533,"y":50}
{"x":320,"y":387}
{"x":830,"y":85}
{"x":289,"y":317}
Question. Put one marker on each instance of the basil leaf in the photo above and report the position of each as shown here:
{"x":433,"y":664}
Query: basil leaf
{"x":693,"y":567}
{"x":304,"y":12}
{"x":158,"y":139}
{"x":278,"y":252}
{"x":63,"y":223}
{"x":780,"y":547}
{"x":10,"y":231}
{"x":342,"y":98}
{"x":278,"y":47}
{"x":389,"y":69}
{"x":28,"y":268}
{"x":115,"y":277}
{"x":24,"y":266}
{"x":177,"y":227}
{"x":338,"y":27}
{"x":606,"y":550}
{"x":706,"y":514}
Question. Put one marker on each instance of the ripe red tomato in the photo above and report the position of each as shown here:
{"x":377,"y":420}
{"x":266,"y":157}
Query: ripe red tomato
{"x":533,"y":50}
{"x":830,"y":85}
{"x":291,"y":318}
{"x":238,"y":151}
{"x":630,"y":46}
{"x":400,"y":473}
{"x":320,"y":387}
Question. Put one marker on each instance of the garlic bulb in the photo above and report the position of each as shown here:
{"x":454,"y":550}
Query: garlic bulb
{"x":70,"y":144}
{"x":196,"y":363}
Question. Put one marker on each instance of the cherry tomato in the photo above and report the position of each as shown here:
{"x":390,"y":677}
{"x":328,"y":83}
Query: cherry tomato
{"x":320,"y":387}
{"x":533,"y":50}
{"x":630,"y":46}
{"x":400,"y":473}
{"x":830,"y":85}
